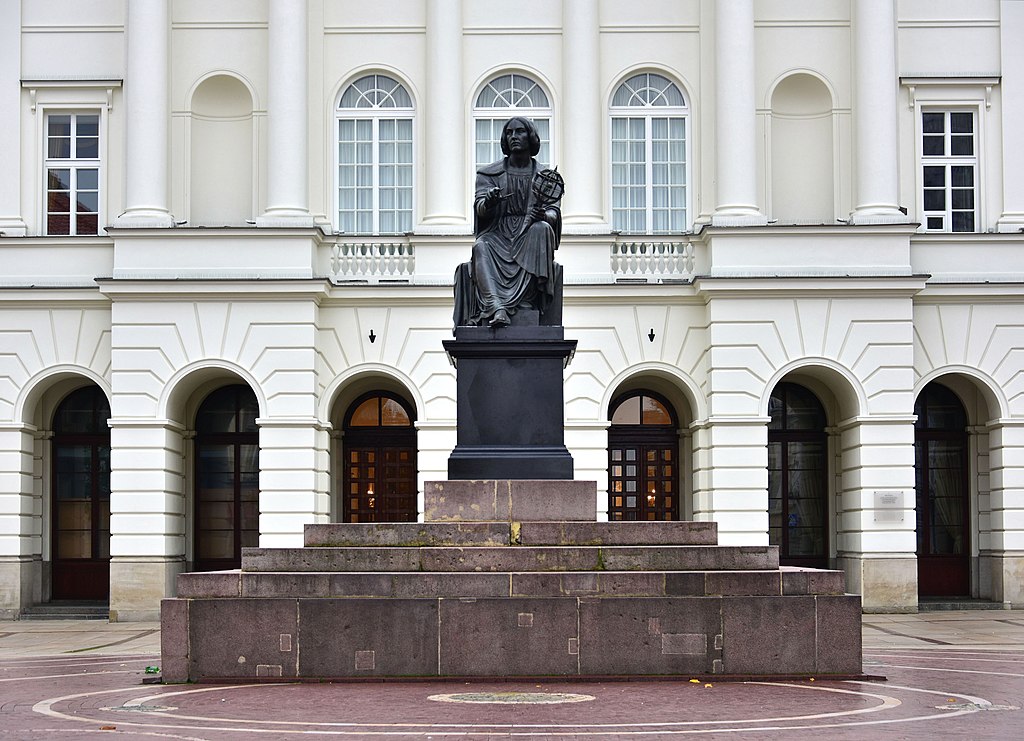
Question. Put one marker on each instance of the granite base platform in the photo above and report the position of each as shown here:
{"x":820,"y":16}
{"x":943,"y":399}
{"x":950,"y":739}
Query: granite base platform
{"x":510,"y":579}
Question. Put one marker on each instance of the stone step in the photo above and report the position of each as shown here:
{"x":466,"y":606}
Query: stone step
{"x":506,"y":584}
{"x":419,"y":534}
{"x":66,"y":610}
{"x":519,"y":558}
{"x":818,"y":636}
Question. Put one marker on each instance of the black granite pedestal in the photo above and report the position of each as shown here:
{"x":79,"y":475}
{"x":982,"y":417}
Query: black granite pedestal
{"x":510,"y":403}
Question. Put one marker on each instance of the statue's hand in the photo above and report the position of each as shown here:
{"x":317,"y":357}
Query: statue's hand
{"x":492,"y":197}
{"x":539,"y":212}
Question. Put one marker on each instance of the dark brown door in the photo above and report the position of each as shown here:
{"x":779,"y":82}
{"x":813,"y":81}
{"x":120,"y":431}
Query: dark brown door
{"x":798,"y":477}
{"x":227,"y":506}
{"x":941,"y":484}
{"x":81,"y":497}
{"x":643,"y":470}
{"x":379,"y":478}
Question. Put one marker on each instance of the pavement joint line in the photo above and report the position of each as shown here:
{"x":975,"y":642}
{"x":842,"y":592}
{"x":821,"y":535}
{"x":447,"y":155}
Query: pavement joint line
{"x":892,"y":632}
{"x":137,"y":636}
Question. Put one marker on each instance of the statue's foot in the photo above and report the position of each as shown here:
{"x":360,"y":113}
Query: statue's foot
{"x":500,"y":319}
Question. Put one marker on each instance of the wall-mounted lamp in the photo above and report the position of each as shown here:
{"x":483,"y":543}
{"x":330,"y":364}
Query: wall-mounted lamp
{"x":650,"y":335}
{"x":373,"y":337}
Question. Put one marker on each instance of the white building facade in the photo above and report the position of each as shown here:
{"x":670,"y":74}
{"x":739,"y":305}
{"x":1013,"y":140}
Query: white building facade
{"x":793,"y":258}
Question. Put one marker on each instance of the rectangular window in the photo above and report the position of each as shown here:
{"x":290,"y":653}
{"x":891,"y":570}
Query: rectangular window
{"x":72,"y":167}
{"x":949,"y":171}
{"x":648,"y":174}
{"x":375,"y":175}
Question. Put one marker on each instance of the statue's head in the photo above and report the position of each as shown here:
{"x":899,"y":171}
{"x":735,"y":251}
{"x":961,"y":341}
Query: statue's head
{"x":531,"y":132}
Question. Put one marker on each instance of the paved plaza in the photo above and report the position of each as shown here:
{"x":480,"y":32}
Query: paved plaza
{"x":958,"y":675}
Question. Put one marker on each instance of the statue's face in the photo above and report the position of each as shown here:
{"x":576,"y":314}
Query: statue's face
{"x":518,"y":137}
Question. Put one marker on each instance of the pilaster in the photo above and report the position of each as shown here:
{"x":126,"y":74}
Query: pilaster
{"x":1006,"y":440}
{"x":294,"y":479}
{"x":20,"y":557}
{"x":731,"y":478}
{"x":876,"y":541}
{"x":147,"y":516}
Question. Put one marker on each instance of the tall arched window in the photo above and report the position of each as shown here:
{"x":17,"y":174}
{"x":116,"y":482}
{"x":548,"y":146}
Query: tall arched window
{"x":650,"y":182}
{"x":227,"y":494}
{"x":375,"y":156}
{"x":379,"y":479}
{"x":940,"y":467}
{"x":501,"y":98}
{"x":81,"y":496}
{"x":797,"y":477}
{"x":643,"y":465}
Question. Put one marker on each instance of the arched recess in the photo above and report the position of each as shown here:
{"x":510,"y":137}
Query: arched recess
{"x":957,"y":413}
{"x":809,"y":401}
{"x":650,"y":450}
{"x":374,"y":452}
{"x":802,"y":162}
{"x":37,"y":407}
{"x":80,"y":496}
{"x":181,"y":407}
{"x":221,"y":183}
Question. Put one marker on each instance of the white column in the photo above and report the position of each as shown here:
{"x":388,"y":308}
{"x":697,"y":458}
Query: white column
{"x":1011,"y":30}
{"x":147,"y":116}
{"x":444,"y":114}
{"x":11,"y":222}
{"x":288,"y":116}
{"x":875,"y":125}
{"x":581,"y":119}
{"x":735,"y":116}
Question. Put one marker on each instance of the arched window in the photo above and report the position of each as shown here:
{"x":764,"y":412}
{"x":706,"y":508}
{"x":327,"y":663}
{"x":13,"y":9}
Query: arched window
{"x":941,"y":485}
{"x":379,"y":479}
{"x":643,"y":452}
{"x":650,"y":180}
{"x":797,"y":476}
{"x":81,"y":496}
{"x":501,"y":98}
{"x":227,"y":506}
{"x":375,"y":156}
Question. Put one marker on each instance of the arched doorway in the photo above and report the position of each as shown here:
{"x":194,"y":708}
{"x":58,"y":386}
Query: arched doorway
{"x":643,"y":452}
{"x":379,"y":478}
{"x":940,"y":482}
{"x":227,"y":509}
{"x":798,"y":477}
{"x":81,"y":497}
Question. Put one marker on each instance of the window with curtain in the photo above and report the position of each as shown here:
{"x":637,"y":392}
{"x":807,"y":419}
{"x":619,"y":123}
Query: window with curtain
{"x":72,"y":166}
{"x":500,"y":99}
{"x":375,"y":157}
{"x":650,"y":183}
{"x":949,"y":171}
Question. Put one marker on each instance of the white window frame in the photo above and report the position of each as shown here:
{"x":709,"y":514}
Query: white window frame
{"x":60,"y":97}
{"x":649,"y":112}
{"x":374,"y":113}
{"x":947,"y":160}
{"x":76,"y":165}
{"x":957,"y":95}
{"x":500,"y":114}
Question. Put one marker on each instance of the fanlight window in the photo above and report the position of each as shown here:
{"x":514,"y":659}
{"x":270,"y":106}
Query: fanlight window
{"x":650,"y":183}
{"x":375,"y":157}
{"x":500,"y":99}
